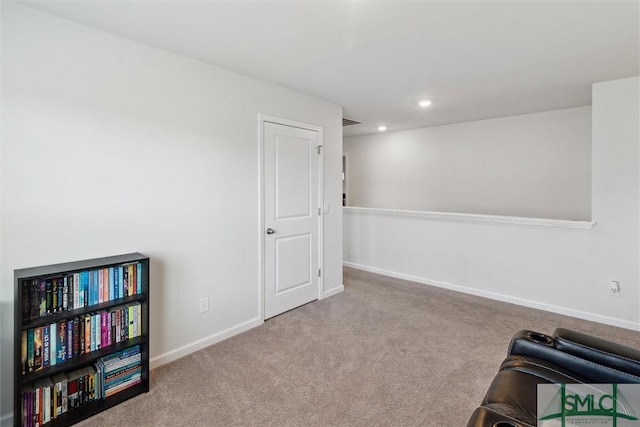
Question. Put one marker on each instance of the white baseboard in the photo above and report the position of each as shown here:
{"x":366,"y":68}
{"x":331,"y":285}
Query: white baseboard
{"x":179,"y":352}
{"x":332,"y":292}
{"x":6,"y":420}
{"x":621,"y":323}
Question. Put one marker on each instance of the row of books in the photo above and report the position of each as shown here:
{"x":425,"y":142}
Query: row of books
{"x":58,"y":342}
{"x":49,"y":398}
{"x":45,"y":296}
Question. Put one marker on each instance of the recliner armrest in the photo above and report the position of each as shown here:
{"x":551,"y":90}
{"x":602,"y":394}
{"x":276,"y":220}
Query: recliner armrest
{"x":571,"y":350}
{"x":598,"y":350}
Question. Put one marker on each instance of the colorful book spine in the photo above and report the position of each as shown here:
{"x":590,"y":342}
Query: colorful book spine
{"x":76,"y":290}
{"x":125,"y":281}
{"x":120,"y":282}
{"x":76,"y":336}
{"x":24,"y":352}
{"x":61,"y":354}
{"x":49,"y":296}
{"x":30,"y":350}
{"x":98,"y":327}
{"x":112,"y":294}
{"x":53,"y":343}
{"x":93,"y":333}
{"x":54,"y":295}
{"x":42,"y":297}
{"x":46,"y":349}
{"x":60,"y":293}
{"x":37,"y":348}
{"x":87,"y":333}
{"x":96,"y":287}
{"x":100,"y":286}
{"x":70,"y":339}
{"x":139,"y":278}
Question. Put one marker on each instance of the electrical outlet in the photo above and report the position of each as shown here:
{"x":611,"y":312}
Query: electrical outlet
{"x":614,"y":288}
{"x":204,"y":304}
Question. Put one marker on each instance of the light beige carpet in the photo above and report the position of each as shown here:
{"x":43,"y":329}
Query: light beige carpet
{"x":385,"y":352}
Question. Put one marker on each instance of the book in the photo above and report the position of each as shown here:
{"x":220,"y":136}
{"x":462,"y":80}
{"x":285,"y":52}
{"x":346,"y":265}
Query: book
{"x":116,"y":382}
{"x":112,"y":295}
{"x":65,"y":294}
{"x":124,"y":371}
{"x":76,"y":336}
{"x":23,"y":353}
{"x":96,"y":287}
{"x":30,"y":350}
{"x":60,"y":293}
{"x":94,"y":339}
{"x":27,"y":404}
{"x":84,"y":285}
{"x":81,"y":334}
{"x":26,"y":299}
{"x":49,"y":296}
{"x":90,"y":288}
{"x":42,"y":297}
{"x":61,"y":351}
{"x":118,"y":328}
{"x":136,"y":331}
{"x":37,"y":348}
{"x":54,"y":295}
{"x":136,"y":379}
{"x":132,"y":279}
{"x":53,"y":343}
{"x":120,"y":355}
{"x":70,"y":338}
{"x":71,"y":286}
{"x":100,"y":286}
{"x":125,"y":281}
{"x":87,"y":333}
{"x":46,"y":349}
{"x":60,"y":382}
{"x":104,"y":336}
{"x":76,"y":290}
{"x":130,"y":320}
{"x":98,"y":329}
{"x":32,"y":298}
{"x":74,"y":389}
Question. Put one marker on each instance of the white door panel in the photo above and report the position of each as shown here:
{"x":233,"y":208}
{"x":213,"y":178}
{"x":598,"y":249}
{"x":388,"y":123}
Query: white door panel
{"x":293,"y":262}
{"x":291,"y":217}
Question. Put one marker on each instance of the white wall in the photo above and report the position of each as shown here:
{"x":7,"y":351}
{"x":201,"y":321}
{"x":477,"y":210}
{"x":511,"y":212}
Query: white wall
{"x":566,"y":270}
{"x":534,"y":165}
{"x":110,"y":146}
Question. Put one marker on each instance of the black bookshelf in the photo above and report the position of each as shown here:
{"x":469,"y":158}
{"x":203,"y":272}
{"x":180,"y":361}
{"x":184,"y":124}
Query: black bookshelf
{"x":24,"y":380}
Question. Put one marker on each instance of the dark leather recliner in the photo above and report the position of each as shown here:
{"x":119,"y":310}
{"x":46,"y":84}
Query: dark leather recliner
{"x":567,"y":357}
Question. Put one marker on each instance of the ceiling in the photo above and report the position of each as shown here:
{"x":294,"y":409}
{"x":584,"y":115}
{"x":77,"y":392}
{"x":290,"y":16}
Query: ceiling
{"x":474,"y":60}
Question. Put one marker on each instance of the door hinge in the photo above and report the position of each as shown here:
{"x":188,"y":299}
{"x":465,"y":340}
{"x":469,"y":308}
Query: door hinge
{"x":319,"y":272}
{"x":319,"y":148}
{"x":319,"y":211}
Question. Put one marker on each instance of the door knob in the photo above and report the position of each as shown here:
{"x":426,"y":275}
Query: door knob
{"x":270,"y":231}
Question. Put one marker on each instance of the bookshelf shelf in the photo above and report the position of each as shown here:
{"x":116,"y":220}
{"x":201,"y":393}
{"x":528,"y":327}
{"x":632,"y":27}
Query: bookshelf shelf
{"x":91,"y":318}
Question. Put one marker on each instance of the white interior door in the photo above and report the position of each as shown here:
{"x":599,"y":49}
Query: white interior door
{"x":291,"y":217}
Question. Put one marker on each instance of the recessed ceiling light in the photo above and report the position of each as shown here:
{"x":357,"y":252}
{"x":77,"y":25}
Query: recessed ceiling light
{"x":382,"y":128}
{"x":424,"y":103}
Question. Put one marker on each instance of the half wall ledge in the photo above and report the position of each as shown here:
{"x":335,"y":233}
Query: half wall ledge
{"x":475,"y":218}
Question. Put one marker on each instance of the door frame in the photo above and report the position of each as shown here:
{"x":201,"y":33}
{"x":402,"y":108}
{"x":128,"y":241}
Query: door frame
{"x":262,"y":119}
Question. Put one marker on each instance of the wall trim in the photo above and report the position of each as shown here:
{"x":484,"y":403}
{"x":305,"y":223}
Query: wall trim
{"x":192,"y":347}
{"x":501,"y":297}
{"x":477,"y":218}
{"x":334,"y":291}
